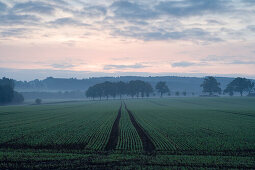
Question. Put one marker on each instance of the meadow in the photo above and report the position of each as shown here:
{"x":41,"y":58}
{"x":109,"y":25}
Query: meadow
{"x":195,"y":132}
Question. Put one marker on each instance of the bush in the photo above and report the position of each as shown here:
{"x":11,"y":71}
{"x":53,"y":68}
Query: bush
{"x":38,"y":101}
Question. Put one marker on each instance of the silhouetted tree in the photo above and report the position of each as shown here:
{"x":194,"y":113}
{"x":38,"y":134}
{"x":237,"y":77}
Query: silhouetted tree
{"x":91,"y":93}
{"x":7,"y":92}
{"x":107,"y":89}
{"x":177,"y":93}
{"x":17,"y":98}
{"x":210,"y":85}
{"x":162,"y":88}
{"x":184,"y":93}
{"x":250,"y":86}
{"x":121,"y":88}
{"x":38,"y":101}
{"x":239,"y":85}
{"x":229,"y":89}
{"x":148,"y":89}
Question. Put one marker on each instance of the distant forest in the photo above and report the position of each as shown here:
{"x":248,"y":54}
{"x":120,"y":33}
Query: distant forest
{"x":188,"y":84}
{"x":62,"y":88}
{"x":128,"y":86}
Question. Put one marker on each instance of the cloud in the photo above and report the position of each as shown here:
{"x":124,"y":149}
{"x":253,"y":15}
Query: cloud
{"x":143,"y":20}
{"x":250,"y":2}
{"x":213,"y":21}
{"x":94,"y":11}
{"x":131,"y":10}
{"x":160,"y":34}
{"x":243,"y":62}
{"x":13,"y":19}
{"x":14,"y":32}
{"x":251,"y":28}
{"x":34,"y":7}
{"x":62,"y":66}
{"x":188,"y":64}
{"x":183,"y":64}
{"x":3,"y":7}
{"x":67,"y":21}
{"x":119,"y":67}
{"x":191,"y":7}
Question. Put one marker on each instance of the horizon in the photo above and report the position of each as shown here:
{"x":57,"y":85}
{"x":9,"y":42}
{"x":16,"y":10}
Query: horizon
{"x":67,"y":74}
{"x":101,"y":38}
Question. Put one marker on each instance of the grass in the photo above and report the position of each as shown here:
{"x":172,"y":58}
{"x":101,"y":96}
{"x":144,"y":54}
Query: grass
{"x":186,"y":132}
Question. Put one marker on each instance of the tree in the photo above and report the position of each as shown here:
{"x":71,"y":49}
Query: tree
{"x":177,"y":93}
{"x":229,"y":89}
{"x":38,"y":101}
{"x":91,"y":92}
{"x":17,"y":98}
{"x":239,"y":85}
{"x":184,"y":93}
{"x":121,"y":88}
{"x":162,"y":88}
{"x":108,"y":89}
{"x":148,"y":89}
{"x":6,"y":90}
{"x":250,"y":86}
{"x":210,"y":85}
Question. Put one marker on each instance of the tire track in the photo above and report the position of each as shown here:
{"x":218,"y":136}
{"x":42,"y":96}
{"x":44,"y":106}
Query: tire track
{"x":148,"y":145}
{"x":113,"y":140}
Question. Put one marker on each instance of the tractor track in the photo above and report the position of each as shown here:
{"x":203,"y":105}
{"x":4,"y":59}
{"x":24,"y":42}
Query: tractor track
{"x":148,"y":145}
{"x":113,"y":139}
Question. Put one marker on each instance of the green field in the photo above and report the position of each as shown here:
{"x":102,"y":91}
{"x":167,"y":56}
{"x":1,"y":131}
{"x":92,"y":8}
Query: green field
{"x":150,"y":133}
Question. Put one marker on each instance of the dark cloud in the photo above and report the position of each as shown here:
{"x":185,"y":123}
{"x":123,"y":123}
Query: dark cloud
{"x":250,"y":2}
{"x":188,"y":64}
{"x":14,"y":19}
{"x":242,"y":62}
{"x":251,"y":28}
{"x":3,"y":7}
{"x":135,"y":66}
{"x":183,"y":64}
{"x":213,"y":21}
{"x":94,"y":11}
{"x":160,"y":34}
{"x":67,"y":21}
{"x":143,"y":20}
{"x":191,"y":7}
{"x":34,"y":7}
{"x":130,"y":10}
{"x":13,"y":32}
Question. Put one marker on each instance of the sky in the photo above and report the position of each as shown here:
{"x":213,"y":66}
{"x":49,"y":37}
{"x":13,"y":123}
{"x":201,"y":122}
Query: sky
{"x":87,"y":38}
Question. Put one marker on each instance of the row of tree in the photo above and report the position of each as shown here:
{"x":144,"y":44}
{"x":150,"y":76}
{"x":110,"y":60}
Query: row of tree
{"x":134,"y":88}
{"x":7,"y":93}
{"x":240,"y":85}
{"x":138,"y":88}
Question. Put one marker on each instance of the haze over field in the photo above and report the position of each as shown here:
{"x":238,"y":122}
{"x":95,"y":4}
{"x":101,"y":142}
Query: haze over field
{"x":82,"y":39}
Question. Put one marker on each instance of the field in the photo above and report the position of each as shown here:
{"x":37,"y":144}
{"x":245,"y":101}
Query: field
{"x":140,"y":133}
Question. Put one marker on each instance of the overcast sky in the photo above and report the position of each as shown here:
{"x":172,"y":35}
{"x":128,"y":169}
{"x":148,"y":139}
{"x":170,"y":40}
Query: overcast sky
{"x":84,"y":38}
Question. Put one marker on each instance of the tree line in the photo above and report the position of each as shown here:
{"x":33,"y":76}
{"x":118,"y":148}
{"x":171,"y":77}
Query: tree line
{"x":239,"y":85}
{"x":134,"y":88}
{"x":138,"y":88}
{"x":7,"y":93}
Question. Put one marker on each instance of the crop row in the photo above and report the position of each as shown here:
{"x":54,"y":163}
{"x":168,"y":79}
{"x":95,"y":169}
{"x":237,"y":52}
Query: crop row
{"x":83,"y":127}
{"x":176,"y":125}
{"x":128,"y":138}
